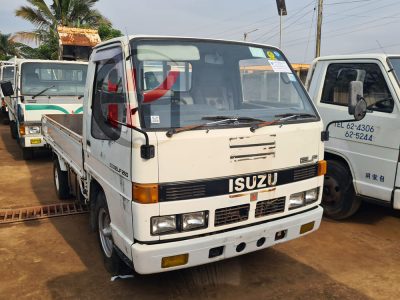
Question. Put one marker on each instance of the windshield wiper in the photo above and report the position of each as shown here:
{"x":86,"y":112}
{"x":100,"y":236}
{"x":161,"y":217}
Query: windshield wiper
{"x":42,"y":91}
{"x":80,"y":97}
{"x":219,"y":120}
{"x":232,"y":118}
{"x":283,"y":117}
{"x":173,"y":131}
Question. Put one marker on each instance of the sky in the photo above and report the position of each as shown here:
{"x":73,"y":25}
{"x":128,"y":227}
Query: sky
{"x":349,"y":26}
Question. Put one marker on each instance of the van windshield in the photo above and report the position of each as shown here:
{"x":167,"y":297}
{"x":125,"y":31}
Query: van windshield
{"x":60,"y":79}
{"x":184,"y":82}
{"x":395,"y":63}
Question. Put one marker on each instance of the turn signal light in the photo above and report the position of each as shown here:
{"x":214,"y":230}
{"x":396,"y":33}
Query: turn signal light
{"x":322,"y":167}
{"x":21,"y":130}
{"x":145,"y":193}
{"x":173,"y":261}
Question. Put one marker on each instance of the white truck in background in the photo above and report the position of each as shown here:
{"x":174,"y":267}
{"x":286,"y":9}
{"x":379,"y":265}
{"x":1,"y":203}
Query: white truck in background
{"x":219,"y":156}
{"x":6,"y":74}
{"x":363,"y":157}
{"x":40,"y":87}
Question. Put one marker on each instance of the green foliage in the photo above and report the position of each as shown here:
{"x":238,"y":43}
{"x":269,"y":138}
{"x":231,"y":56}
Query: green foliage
{"x":107,"y":32}
{"x":46,"y":17}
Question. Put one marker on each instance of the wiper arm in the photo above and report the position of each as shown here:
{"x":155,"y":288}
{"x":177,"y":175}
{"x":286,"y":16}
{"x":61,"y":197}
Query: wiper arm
{"x":220,"y":119}
{"x":41,"y":92}
{"x":296,"y":116}
{"x":173,"y":131}
{"x":283,"y":117}
{"x":233,"y":118}
{"x":80,"y":97}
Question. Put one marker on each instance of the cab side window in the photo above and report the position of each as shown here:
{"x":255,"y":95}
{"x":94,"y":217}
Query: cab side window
{"x":376,"y":91}
{"x":109,"y":101}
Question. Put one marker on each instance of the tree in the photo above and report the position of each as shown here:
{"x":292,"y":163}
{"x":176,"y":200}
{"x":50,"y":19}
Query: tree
{"x":71,"y":13}
{"x":107,"y":32}
{"x":10,"y":48}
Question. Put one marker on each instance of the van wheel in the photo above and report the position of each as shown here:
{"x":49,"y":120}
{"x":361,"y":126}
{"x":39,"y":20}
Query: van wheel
{"x":112,"y":261}
{"x":13,"y":129}
{"x":339,"y":199}
{"x":27,"y":153}
{"x":60,"y":181}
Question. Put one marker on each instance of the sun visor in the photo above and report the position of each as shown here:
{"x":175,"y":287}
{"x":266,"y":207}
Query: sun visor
{"x":167,"y":53}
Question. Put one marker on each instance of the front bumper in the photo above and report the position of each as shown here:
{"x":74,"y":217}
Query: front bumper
{"x":147,"y":258}
{"x":32,"y":141}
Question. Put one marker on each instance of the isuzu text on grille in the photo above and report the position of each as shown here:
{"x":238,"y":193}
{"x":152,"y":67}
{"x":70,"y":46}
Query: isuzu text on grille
{"x":252,"y":182}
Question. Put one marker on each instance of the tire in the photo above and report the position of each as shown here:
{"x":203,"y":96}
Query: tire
{"x":27,"y":153}
{"x":339,"y":199}
{"x":13,"y":130}
{"x":60,"y":181}
{"x":112,"y":261}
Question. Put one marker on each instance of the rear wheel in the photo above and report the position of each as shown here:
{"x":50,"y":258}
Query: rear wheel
{"x":112,"y":261}
{"x":60,"y":181}
{"x":339,"y":199}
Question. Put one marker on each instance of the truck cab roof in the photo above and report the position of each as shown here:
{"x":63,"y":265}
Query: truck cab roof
{"x":123,"y":39}
{"x":379,"y":56}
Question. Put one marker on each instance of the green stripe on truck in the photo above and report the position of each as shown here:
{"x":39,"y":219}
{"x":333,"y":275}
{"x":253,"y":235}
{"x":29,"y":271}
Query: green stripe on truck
{"x":51,"y":107}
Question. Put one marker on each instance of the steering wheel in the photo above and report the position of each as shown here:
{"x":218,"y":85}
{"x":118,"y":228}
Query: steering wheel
{"x":382,"y":103}
{"x":178,"y":100}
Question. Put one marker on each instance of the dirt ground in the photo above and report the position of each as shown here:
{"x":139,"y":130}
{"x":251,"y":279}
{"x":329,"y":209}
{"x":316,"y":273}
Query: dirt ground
{"x":59,"y":258}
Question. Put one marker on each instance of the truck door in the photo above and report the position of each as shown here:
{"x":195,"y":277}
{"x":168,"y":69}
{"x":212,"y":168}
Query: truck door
{"x":108,"y":149}
{"x":371,"y":146}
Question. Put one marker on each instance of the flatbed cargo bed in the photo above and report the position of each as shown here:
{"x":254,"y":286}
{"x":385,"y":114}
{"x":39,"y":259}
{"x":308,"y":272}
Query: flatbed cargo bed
{"x":64,"y":134}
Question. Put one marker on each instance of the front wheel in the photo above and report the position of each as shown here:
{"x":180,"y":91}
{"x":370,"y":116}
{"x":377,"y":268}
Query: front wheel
{"x":13,"y":130}
{"x":27,"y":153}
{"x":339,"y":199}
{"x":112,"y":261}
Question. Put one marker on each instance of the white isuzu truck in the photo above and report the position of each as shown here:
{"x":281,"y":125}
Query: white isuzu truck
{"x":363,"y":157}
{"x":40,"y":87}
{"x":190,"y":151}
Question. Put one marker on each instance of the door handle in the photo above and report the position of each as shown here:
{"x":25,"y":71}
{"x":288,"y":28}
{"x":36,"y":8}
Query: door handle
{"x":88,"y":143}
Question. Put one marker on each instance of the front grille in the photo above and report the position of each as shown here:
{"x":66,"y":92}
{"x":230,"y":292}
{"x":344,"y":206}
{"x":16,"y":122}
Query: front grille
{"x":233,"y":214}
{"x":305,"y":173}
{"x":270,"y":207}
{"x":184,"y":192}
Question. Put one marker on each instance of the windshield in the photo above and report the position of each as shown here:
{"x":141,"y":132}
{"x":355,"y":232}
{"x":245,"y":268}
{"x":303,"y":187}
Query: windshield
{"x":181,"y":83}
{"x":57,"y":79}
{"x":8,"y":74}
{"x":395,"y":63}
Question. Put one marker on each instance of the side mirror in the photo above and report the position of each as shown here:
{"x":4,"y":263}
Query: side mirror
{"x":7,"y":88}
{"x":357,"y":104}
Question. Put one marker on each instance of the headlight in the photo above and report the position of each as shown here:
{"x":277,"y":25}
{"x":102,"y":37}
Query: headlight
{"x":311,"y":195}
{"x":296,"y":200}
{"x":179,"y":223}
{"x":303,"y":198}
{"x":164,"y":224}
{"x":194,"y":220}
{"x":33,"y":129}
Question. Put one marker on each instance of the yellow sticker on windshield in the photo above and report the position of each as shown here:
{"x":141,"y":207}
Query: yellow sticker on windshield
{"x":271,"y":55}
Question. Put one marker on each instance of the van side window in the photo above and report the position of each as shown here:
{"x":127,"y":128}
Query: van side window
{"x":376,"y":92}
{"x":109,"y":95}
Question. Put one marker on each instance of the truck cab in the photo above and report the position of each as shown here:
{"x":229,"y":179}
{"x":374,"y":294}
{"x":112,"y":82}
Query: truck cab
{"x":40,"y":87}
{"x":363,"y":157}
{"x":190,"y":151}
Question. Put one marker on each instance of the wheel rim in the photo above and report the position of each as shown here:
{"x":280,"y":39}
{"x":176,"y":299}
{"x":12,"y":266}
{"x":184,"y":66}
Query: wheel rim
{"x":105,"y":232}
{"x":332,"y":192}
{"x":56,"y":180}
